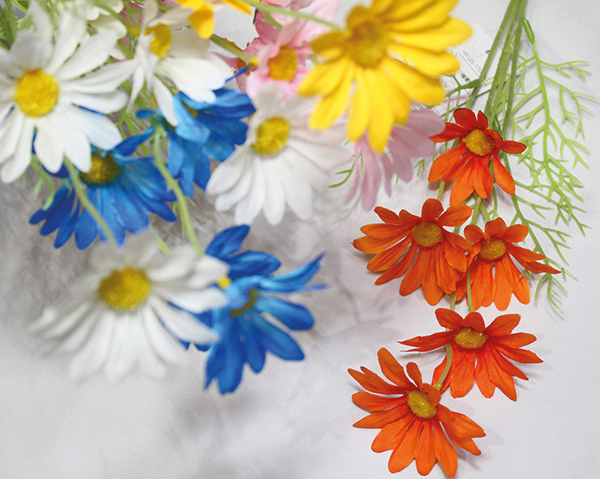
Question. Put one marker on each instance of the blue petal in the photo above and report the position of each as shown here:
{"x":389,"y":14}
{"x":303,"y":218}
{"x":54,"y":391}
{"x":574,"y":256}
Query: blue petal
{"x":294,"y":316}
{"x":293,"y":281}
{"x":41,"y":214}
{"x":128,"y":146}
{"x":227,"y":242}
{"x":85,"y":230}
{"x":252,"y":263}
{"x":274,"y":339}
{"x":255,"y":354}
{"x":61,"y":212}
{"x":67,"y":228}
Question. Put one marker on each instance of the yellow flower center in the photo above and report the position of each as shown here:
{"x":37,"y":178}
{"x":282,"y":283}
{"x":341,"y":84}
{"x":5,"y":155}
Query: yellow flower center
{"x":37,"y":93}
{"x":418,"y":402}
{"x":103,"y":170}
{"x":161,"y":41}
{"x":427,"y":234}
{"x":492,"y":249}
{"x":283,"y":66}
{"x":480,"y":143}
{"x":253,"y":297}
{"x":271,"y":135}
{"x":469,"y":338}
{"x":369,"y":40}
{"x":125,"y":289}
{"x":224,"y":282}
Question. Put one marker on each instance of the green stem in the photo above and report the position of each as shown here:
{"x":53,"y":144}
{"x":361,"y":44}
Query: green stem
{"x":184,"y":213}
{"x":270,"y":9}
{"x":231,"y":48}
{"x":446,"y":370}
{"x":81,"y":192}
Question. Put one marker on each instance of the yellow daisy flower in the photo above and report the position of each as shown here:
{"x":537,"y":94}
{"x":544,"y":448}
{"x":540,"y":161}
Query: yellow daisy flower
{"x":390,"y":54}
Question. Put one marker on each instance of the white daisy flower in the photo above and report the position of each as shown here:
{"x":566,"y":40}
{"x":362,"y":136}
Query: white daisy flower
{"x":166,"y":53}
{"x":128,"y":312}
{"x":43,"y":84}
{"x":280,"y":163}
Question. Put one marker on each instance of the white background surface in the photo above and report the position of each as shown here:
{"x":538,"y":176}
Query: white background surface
{"x":294,"y":420}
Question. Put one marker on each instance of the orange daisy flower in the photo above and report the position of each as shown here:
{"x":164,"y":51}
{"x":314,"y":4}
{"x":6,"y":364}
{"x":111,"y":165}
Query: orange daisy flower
{"x":494,"y":276}
{"x":478,"y":353}
{"x":414,"y":425}
{"x":469,"y":162}
{"x":439,"y":256}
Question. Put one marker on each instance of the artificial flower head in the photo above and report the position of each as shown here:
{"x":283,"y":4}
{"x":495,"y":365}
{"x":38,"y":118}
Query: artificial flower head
{"x":122,"y":188}
{"x":280,"y":163}
{"x":390,"y":54}
{"x":130,"y":310}
{"x":421,"y":247}
{"x":494,"y":276}
{"x":53,"y":92}
{"x":167,"y":53}
{"x":469,"y":162}
{"x":204,"y":131}
{"x":245,"y":331}
{"x":405,"y":143}
{"x":479,"y":354}
{"x":414,"y":425}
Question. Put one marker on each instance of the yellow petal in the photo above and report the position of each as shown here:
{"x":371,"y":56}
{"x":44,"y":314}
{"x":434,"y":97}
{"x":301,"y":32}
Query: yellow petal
{"x":416,"y":85}
{"x":453,"y":32}
{"x":239,"y":6}
{"x":429,"y":63}
{"x":330,"y":45}
{"x":202,"y":20}
{"x":433,"y":15}
{"x":360,"y":109}
{"x":331,"y":106}
{"x":382,"y":119}
{"x":324,"y":78}
{"x":402,"y":10}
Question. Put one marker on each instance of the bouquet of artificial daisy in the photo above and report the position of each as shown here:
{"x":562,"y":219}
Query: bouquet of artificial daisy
{"x":127,"y":114}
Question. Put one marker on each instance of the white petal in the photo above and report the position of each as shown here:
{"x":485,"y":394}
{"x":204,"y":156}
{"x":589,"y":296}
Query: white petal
{"x":76,"y":144}
{"x":75,"y":338}
{"x":42,"y":22}
{"x":18,"y":163}
{"x":247,"y":210}
{"x":123,"y":350}
{"x":274,"y":196}
{"x":194,"y":77}
{"x":57,"y":322}
{"x":207,"y":271}
{"x":7,"y":66}
{"x":174,"y":266}
{"x":137,"y":82}
{"x":142,"y":251}
{"x":48,"y":144}
{"x":182,"y":325}
{"x":106,"y":258}
{"x":298,"y":194}
{"x":164,"y":99}
{"x":227,"y":174}
{"x":167,"y":347}
{"x":148,"y":360}
{"x":93,"y":354}
{"x":11,"y":130}
{"x":99,"y":102}
{"x":92,"y":53}
{"x":97,"y":129}
{"x":69,"y":32}
{"x":29,"y":52}
{"x":104,"y":80}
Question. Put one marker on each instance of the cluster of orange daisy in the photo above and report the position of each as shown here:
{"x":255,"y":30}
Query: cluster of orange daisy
{"x":479,"y":265}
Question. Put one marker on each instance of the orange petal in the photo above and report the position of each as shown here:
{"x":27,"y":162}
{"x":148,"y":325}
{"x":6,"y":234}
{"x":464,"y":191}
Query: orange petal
{"x":431,"y":209}
{"x":463,"y":376}
{"x":448,"y":165}
{"x":369,"y":245}
{"x":498,"y":376}
{"x":372,"y":382}
{"x":387,"y":216}
{"x":482,"y":378}
{"x":378,"y":420}
{"x":384,"y":231}
{"x":393,"y":370}
{"x":451,"y":131}
{"x":482,"y":121}
{"x":374,"y":403}
{"x":455,"y":216}
{"x":428,"y":343}
{"x":474,"y":233}
{"x":463,"y":187}
{"x":444,"y":452}
{"x":386,"y":259}
{"x":414,"y":277}
{"x":448,"y":318}
{"x":466,"y":118}
{"x":390,"y":435}
{"x":519,"y":355}
{"x":495,"y":228}
{"x":503,"y":325}
{"x":404,"y":453}
{"x":504,"y":288}
{"x":513,"y":147}
{"x":474,"y":320}
{"x":503,"y":177}
{"x":425,"y":451}
{"x":515,"y":340}
{"x":413,"y":371}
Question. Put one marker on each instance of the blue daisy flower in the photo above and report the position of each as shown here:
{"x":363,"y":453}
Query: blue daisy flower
{"x":205,"y":131}
{"x":245,"y":333}
{"x":123,"y":189}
